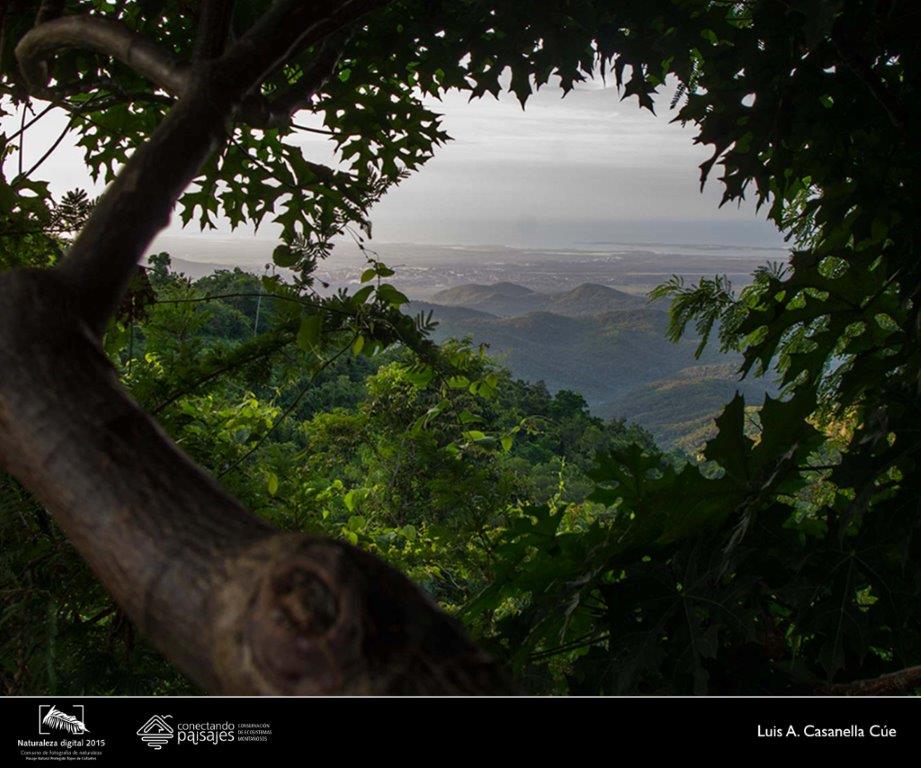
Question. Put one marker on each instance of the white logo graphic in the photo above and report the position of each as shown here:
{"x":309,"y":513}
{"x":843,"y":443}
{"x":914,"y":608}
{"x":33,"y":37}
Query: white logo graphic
{"x":50,"y":718}
{"x":156,"y":732}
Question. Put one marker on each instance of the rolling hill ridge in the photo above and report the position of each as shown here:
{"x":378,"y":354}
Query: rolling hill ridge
{"x":512,"y":299}
{"x":607,"y":345}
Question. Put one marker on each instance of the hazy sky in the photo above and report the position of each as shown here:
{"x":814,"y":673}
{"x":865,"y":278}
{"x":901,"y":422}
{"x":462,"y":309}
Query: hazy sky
{"x":566,"y":171}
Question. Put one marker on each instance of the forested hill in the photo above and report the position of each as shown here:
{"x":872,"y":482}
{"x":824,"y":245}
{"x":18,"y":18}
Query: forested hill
{"x":608,"y":345}
{"x":511,"y":299}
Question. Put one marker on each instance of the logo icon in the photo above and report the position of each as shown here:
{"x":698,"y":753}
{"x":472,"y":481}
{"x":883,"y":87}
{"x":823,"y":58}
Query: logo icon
{"x":156,"y":732}
{"x":51,"y":719}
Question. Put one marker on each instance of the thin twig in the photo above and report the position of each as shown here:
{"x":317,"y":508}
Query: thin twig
{"x":231,"y":366}
{"x":22,"y":130}
{"x":27,"y":125}
{"x":240,"y":295}
{"x":290,"y":409}
{"x":43,"y":158}
{"x":321,"y":131}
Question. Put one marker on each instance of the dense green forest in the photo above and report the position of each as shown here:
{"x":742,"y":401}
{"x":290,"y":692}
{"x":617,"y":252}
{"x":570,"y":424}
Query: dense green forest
{"x":564,"y":553}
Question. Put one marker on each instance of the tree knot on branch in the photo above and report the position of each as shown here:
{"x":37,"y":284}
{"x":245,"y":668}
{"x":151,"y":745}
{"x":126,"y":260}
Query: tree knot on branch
{"x":306,"y":621}
{"x":305,"y":601}
{"x":101,"y":35}
{"x":302,"y":615}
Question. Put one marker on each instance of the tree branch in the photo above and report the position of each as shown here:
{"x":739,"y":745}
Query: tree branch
{"x":105,"y":36}
{"x":280,"y":108}
{"x":214,"y":20}
{"x":160,"y":66}
{"x":895,"y":682}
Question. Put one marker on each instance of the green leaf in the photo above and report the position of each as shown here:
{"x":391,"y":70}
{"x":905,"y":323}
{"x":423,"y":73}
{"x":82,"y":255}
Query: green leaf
{"x":353,"y":498}
{"x":285,"y":256}
{"x":730,"y":448}
{"x":310,"y":332}
{"x":421,"y":376}
{"x":391,"y":295}
{"x":356,"y":523}
{"x":361,"y":295}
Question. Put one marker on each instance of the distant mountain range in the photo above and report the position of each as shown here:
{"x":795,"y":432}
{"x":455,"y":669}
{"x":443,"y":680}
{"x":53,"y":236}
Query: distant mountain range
{"x":608,"y":345}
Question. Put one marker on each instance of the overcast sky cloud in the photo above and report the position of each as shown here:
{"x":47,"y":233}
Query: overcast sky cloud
{"x":566,"y":171}
{"x":586,"y":167}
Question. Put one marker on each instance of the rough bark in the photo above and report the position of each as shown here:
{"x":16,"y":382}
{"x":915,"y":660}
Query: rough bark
{"x":240,"y":607}
{"x":893,"y":683}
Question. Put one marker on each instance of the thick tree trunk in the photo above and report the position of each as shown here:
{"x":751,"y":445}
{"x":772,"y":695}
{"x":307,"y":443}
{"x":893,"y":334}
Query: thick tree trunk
{"x":240,"y":607}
